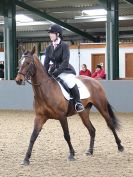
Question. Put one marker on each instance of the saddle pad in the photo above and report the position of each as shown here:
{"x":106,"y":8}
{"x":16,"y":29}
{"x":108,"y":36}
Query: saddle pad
{"x":84,"y":92}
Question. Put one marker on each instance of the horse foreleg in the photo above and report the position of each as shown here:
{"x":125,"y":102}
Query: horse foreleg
{"x":65,"y":128}
{"x":38,"y":123}
{"x":85,"y":119}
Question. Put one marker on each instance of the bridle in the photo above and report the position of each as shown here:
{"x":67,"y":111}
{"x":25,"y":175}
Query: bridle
{"x":30,"y":71}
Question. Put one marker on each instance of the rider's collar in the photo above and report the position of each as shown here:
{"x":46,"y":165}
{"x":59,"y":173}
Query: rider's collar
{"x":56,"y":42}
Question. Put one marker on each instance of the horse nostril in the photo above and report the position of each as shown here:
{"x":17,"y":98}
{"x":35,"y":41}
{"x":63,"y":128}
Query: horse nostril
{"x":19,"y":82}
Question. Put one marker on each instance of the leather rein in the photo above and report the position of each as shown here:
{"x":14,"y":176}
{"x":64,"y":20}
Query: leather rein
{"x":31,"y":72}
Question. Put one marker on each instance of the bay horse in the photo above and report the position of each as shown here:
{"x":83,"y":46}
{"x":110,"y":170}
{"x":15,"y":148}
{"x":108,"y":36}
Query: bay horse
{"x":49,"y":103}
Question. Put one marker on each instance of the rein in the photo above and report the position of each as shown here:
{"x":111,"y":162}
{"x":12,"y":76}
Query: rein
{"x":27,"y":80}
{"x":29,"y":73}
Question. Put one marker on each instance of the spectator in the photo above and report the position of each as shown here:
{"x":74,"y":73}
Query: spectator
{"x":1,"y":71}
{"x":85,"y":71}
{"x":99,"y":73}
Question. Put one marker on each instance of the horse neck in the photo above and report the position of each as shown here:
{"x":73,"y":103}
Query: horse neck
{"x":40,"y":74}
{"x":40,"y":79}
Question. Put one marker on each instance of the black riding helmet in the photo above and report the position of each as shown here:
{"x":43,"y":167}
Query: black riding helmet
{"x":56,"y":29}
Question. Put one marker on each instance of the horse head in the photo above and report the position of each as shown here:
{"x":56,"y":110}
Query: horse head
{"x":26,"y":66}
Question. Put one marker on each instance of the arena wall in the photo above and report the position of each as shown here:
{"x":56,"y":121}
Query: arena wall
{"x":15,"y":97}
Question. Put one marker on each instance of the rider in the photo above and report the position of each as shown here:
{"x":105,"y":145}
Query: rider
{"x":58,"y":53}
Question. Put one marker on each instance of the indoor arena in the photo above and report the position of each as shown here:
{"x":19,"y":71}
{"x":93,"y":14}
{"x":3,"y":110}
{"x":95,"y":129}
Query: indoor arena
{"x":66,"y":83}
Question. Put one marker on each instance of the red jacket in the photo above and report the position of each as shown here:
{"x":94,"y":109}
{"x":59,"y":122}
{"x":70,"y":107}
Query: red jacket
{"x":99,"y":74}
{"x":85,"y":73}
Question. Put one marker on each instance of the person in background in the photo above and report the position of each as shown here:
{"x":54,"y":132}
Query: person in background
{"x":85,"y":71}
{"x":99,"y":73}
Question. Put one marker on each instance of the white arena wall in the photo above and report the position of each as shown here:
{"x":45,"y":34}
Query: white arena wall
{"x":15,"y":97}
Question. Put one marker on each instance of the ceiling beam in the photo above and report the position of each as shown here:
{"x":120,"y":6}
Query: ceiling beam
{"x":64,"y":9}
{"x":69,"y":9}
{"x":53,"y":19}
{"x":129,"y":1}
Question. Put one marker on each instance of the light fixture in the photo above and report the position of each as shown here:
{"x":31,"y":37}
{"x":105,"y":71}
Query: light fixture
{"x":93,"y":15}
{"x":94,"y":12}
{"x":34,"y":23}
{"x":23,"y":18}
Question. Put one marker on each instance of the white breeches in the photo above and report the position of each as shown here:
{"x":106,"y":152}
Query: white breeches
{"x":69,"y":79}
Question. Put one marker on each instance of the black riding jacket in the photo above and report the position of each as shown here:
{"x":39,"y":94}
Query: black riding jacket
{"x":60,"y":58}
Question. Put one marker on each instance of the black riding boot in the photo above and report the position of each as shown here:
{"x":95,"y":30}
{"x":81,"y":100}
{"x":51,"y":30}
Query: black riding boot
{"x":75,"y":94}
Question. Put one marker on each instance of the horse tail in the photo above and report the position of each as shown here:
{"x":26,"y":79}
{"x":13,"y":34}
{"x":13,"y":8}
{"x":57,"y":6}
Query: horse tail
{"x":113,"y":121}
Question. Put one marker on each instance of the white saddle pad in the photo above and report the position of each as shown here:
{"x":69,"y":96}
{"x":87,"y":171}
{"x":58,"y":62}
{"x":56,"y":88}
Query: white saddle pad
{"x":84,"y":92}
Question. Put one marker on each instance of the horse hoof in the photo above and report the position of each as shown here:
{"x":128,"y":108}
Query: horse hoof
{"x":71,"y":158}
{"x":25,"y":162}
{"x":121,"y":148}
{"x":89,"y":153}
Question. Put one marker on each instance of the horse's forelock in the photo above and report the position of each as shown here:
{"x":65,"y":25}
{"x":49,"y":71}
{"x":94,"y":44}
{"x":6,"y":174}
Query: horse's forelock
{"x":26,"y":53}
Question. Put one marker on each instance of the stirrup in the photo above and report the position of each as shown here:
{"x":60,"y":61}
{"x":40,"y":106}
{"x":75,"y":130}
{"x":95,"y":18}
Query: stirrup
{"x":79,"y":107}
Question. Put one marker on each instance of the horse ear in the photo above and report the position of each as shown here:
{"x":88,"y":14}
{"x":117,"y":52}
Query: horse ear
{"x":22,"y":49}
{"x":33,"y":50}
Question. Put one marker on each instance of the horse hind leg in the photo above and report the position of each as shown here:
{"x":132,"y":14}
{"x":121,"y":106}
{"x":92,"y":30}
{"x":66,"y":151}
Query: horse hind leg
{"x":38,"y":123}
{"x":111,"y":120}
{"x":65,"y":128}
{"x":116,"y":126}
{"x":86,"y":121}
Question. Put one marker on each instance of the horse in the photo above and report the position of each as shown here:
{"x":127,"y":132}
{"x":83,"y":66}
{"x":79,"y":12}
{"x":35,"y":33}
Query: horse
{"x":49,"y":103}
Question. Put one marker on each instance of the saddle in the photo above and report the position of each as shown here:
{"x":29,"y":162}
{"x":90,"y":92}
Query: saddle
{"x":84,"y":92}
{"x":63,"y":83}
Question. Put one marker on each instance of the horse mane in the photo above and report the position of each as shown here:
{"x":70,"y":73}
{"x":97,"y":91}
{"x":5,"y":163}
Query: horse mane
{"x":38,"y":62}
{"x":36,"y":58}
{"x":43,"y":69}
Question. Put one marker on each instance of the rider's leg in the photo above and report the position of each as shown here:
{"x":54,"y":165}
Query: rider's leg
{"x":71,"y":82}
{"x":75,"y":93}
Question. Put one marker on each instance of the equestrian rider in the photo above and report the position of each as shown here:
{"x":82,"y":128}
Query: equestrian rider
{"x":58,"y":53}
